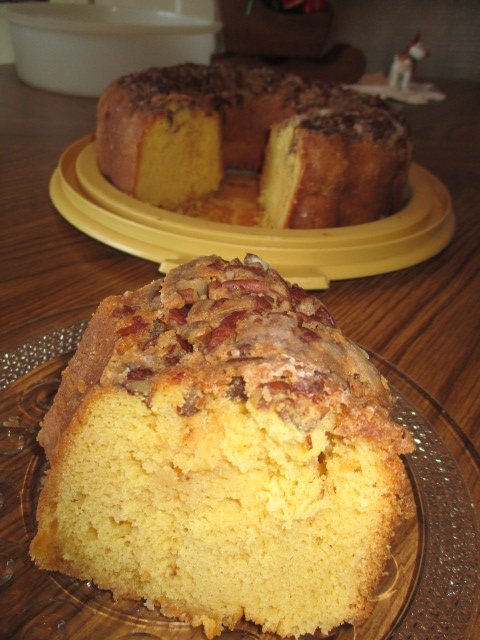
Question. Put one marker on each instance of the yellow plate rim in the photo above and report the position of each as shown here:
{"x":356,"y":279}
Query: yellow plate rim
{"x":311,"y":258}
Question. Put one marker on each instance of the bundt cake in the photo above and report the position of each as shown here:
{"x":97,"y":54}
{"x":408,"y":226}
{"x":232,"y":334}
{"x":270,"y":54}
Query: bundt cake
{"x":220,"y":449}
{"x":166,"y":135}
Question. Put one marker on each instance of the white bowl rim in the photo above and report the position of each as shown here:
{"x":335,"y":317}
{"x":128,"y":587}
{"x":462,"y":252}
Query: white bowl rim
{"x":74,"y":18}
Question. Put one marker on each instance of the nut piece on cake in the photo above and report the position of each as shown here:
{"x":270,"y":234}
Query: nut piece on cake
{"x":219,"y":448}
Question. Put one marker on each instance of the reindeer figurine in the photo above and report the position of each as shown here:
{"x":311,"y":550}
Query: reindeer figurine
{"x":401,"y":71}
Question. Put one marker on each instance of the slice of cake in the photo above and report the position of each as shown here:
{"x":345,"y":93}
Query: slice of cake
{"x":220,"y":449}
{"x":328,"y":168}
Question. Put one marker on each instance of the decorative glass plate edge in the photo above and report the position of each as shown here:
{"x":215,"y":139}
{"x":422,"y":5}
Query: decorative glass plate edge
{"x":448,"y":583}
{"x":445,"y":602}
{"x":22,"y":359}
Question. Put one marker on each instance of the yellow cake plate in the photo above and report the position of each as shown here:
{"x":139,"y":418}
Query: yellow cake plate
{"x":312,"y":257}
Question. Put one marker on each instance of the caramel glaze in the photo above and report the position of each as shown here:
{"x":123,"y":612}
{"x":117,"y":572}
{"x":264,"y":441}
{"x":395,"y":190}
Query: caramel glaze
{"x":234,"y":329}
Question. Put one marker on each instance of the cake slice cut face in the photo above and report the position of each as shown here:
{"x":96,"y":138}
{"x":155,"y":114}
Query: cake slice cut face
{"x":180,"y":158}
{"x":218,"y":448}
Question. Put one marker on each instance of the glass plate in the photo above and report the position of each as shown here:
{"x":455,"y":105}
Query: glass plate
{"x":430,"y":589}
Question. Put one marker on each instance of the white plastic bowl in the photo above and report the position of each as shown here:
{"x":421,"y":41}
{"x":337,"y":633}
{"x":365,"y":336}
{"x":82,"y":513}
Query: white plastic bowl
{"x":80,"y":49}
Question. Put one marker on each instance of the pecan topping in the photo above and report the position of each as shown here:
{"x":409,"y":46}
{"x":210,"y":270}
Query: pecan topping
{"x":225,"y":329}
{"x":240,"y":330}
{"x":190,"y":404}
{"x":137,"y":324}
{"x":250,"y":285}
{"x":178,"y":316}
{"x":236,"y":389}
{"x":123,"y":310}
{"x":139,"y":373}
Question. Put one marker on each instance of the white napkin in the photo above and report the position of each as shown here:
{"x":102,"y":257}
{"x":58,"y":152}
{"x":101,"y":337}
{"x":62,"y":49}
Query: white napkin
{"x":417,"y":93}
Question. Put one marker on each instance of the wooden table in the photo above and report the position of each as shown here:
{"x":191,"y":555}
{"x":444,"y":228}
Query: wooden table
{"x":424,"y":319}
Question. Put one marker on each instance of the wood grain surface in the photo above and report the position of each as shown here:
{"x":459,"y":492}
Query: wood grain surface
{"x":424,"y":320}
